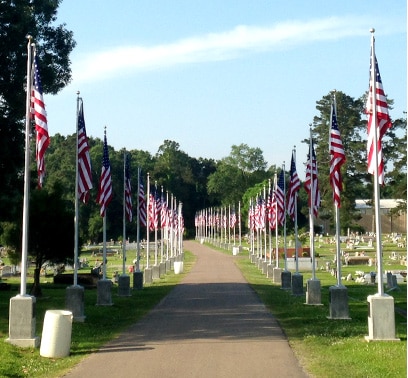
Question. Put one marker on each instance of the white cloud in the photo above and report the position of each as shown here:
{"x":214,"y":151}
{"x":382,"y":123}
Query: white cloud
{"x":215,"y":46}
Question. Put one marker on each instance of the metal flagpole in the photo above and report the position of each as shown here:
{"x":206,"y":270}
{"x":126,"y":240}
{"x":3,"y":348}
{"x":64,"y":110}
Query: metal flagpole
{"x":376,"y":180}
{"x":148,"y":221}
{"x":284,"y":219}
{"x":311,"y":206}
{"x":26,"y":201}
{"x":124,"y":215}
{"x":76,"y":219}
{"x":296,"y":225}
{"x":138,"y":222}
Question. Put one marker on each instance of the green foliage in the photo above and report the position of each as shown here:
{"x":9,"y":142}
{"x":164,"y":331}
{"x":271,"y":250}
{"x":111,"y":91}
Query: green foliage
{"x":54,"y":44}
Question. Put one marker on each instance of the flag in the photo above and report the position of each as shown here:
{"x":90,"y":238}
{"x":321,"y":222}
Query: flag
{"x":105,"y":183}
{"x":163,"y":213}
{"x":383,"y":121}
{"x":294,"y":186}
{"x":233,"y":219}
{"x":260,"y":213}
{"x":311,"y":183}
{"x":128,"y":190}
{"x":142,"y":201}
{"x":84,"y":160}
{"x":40,"y":120}
{"x":337,"y":157}
{"x":280,"y":198}
{"x":153,"y":211}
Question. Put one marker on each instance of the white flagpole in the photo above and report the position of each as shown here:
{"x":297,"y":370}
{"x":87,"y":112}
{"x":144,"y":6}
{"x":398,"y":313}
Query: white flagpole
{"x":311,"y":207}
{"x":76,"y":219}
{"x":124,"y":216}
{"x":148,"y":221}
{"x":275,"y":184}
{"x":26,"y":201}
{"x":239,"y":222}
{"x":284,"y":219}
{"x":376,"y":180}
{"x":265,"y":222}
{"x":296,"y":225}
{"x":138,"y":222}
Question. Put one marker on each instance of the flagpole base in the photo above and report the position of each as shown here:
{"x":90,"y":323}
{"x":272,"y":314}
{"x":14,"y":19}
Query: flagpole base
{"x":74,"y":302}
{"x":381,"y":318}
{"x":313,"y":293}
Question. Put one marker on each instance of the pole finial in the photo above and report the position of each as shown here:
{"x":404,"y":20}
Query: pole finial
{"x":372,"y":30}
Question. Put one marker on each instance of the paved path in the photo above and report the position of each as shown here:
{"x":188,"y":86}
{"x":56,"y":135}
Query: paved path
{"x":211,"y":325}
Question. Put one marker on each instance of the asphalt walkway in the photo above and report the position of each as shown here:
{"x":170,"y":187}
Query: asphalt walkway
{"x":211,"y":325}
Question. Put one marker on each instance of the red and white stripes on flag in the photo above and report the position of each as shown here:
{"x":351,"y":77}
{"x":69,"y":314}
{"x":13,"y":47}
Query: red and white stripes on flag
{"x":378,"y":120}
{"x":128,"y":191}
{"x":84,"y":160}
{"x":280,"y":198}
{"x":294,"y":186}
{"x":105,"y":183}
{"x":142,"y":201}
{"x":311,"y":182}
{"x":337,"y":157}
{"x":40,"y":120}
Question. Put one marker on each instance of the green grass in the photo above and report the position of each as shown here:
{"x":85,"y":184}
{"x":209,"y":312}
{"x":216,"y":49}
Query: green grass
{"x":335,"y":348}
{"x":327,"y":348}
{"x":101,"y":325}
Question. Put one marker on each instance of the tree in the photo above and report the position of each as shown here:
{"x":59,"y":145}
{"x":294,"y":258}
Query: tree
{"x":242,"y":169}
{"x":54,"y":44}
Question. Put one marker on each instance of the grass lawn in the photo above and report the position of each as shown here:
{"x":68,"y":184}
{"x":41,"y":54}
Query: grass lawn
{"x":102,"y":322}
{"x":326,"y":347}
{"x":336,"y":348}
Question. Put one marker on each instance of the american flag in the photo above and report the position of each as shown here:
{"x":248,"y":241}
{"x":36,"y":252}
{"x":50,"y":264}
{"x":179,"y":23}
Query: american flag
{"x":312,"y":182}
{"x":280,"y":198}
{"x":105,"y":182}
{"x":128,"y":190}
{"x":337,"y":158}
{"x":270,"y":209}
{"x":382,"y":120}
{"x":233,"y":219}
{"x":84,"y":160}
{"x":294,"y":186}
{"x":260,"y":213}
{"x":164,"y":212}
{"x":142,"y":201}
{"x":40,"y":120}
{"x":153,"y":211}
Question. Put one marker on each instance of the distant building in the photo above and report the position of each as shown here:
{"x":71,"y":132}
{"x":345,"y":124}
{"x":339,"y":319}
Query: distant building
{"x":390,"y":222}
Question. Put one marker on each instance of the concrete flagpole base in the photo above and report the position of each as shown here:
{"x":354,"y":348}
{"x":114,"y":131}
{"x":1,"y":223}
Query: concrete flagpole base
{"x":138,"y":280}
{"x":148,"y":276}
{"x":124,"y":286}
{"x":269,"y":271}
{"x":338,"y":301}
{"x":313,"y":293}
{"x":22,"y":322}
{"x":381,"y":318}
{"x":74,"y":302}
{"x":297,"y":284}
{"x":104,"y":294}
{"x":155,"y":272}
{"x":286,"y":280}
{"x":277,"y":272}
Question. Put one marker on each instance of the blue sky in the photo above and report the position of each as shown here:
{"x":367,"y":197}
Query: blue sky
{"x":209,"y":74}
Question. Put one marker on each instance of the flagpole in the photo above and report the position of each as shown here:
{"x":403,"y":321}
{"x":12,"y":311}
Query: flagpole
{"x":124,"y":216}
{"x":296,"y":225}
{"x":311,"y":206}
{"x":26,"y":200}
{"x":376,"y":179}
{"x":148,"y":221}
{"x":284,"y":219}
{"x":275,"y":179}
{"x":76,"y":219}
{"x":138,"y":222}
